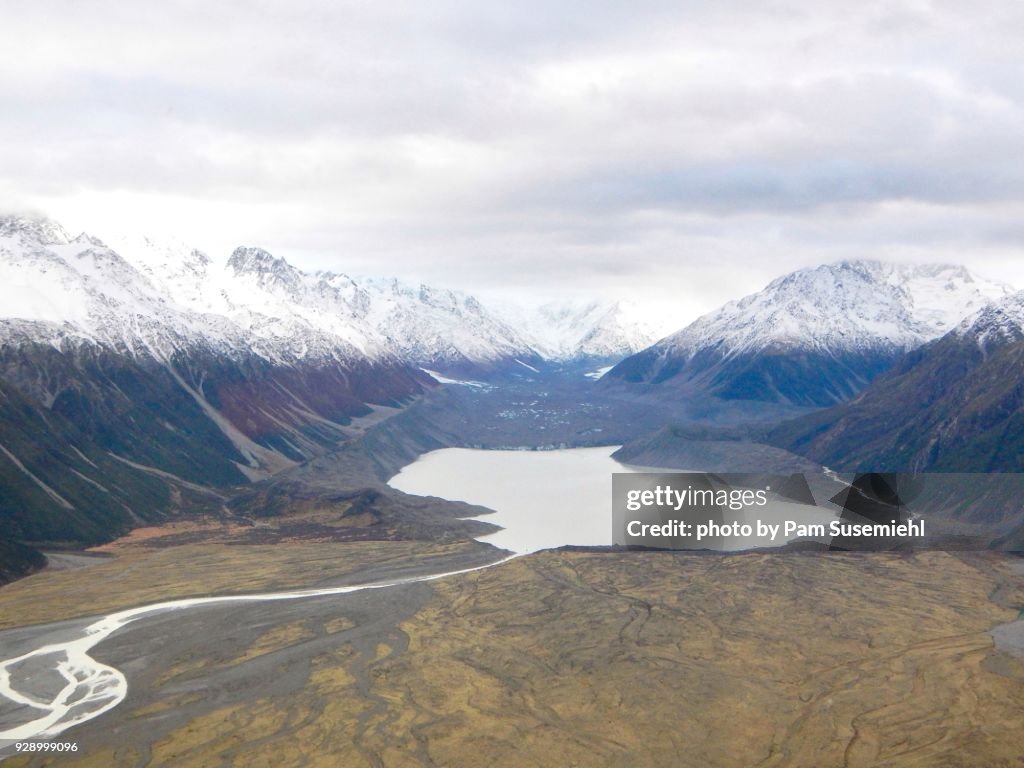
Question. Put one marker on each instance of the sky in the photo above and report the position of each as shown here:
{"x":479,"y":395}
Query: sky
{"x":678,"y":154}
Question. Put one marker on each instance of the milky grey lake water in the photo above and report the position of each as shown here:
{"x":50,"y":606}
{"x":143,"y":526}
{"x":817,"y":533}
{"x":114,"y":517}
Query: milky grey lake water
{"x":543,"y":499}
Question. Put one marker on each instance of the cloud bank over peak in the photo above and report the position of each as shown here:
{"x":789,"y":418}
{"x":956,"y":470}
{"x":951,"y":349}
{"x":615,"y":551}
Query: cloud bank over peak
{"x":667,"y":147}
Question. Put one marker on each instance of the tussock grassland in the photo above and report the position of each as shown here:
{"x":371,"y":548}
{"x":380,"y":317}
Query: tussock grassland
{"x":138,"y":574}
{"x":644,"y":659}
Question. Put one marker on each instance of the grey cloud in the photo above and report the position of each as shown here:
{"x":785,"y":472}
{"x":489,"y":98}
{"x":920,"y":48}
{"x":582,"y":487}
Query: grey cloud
{"x":580,"y":141}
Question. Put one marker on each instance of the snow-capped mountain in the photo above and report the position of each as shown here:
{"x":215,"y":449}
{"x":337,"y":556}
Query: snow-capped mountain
{"x":446,"y":330}
{"x":852,"y":304}
{"x":585,"y":330}
{"x":265,"y":295}
{"x":166,"y":296}
{"x":996,"y":324}
{"x":168,"y":370}
{"x":953,"y":405}
{"x":134,"y":376}
{"x":77,"y":290}
{"x":149,"y":347}
{"x":815,"y":336}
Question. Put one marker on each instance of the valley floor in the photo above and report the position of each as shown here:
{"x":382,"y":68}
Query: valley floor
{"x":559,"y":658}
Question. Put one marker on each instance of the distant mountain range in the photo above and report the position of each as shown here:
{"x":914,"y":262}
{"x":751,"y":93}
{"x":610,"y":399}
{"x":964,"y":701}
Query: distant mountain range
{"x":294,"y":314}
{"x":954,"y":405}
{"x":174,"y":295}
{"x":597,"y":331}
{"x":814,"y":337}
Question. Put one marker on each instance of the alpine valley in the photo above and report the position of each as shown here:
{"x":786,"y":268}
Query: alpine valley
{"x":135,"y":381}
{"x":208,"y":559}
{"x":151,"y":381}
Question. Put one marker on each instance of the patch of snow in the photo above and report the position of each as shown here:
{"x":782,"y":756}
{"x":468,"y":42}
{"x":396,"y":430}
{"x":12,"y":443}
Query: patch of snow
{"x":441,"y":379}
{"x":996,"y":324}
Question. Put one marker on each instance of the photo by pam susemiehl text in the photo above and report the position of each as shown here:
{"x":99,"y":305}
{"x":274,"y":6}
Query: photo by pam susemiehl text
{"x":694,"y":510}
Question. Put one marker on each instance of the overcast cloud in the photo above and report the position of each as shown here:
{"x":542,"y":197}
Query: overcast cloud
{"x":682,"y":153}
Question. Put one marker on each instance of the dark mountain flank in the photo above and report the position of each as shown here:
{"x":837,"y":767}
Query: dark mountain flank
{"x":955,"y":405}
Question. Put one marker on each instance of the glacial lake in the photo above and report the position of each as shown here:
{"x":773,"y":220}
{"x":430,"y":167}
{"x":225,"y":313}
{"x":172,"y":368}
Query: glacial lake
{"x":542,"y":499}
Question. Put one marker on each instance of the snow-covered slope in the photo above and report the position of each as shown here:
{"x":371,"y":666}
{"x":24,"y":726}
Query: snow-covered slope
{"x":63,"y":290}
{"x":267,"y":296}
{"x":817,"y":335}
{"x":169,"y":294}
{"x":849,"y":305}
{"x":996,"y":324}
{"x":437,"y":327}
{"x":590,"y":330}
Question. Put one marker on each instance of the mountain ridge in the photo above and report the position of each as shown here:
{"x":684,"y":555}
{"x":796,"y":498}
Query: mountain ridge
{"x":812,"y":337}
{"x":591,"y":330}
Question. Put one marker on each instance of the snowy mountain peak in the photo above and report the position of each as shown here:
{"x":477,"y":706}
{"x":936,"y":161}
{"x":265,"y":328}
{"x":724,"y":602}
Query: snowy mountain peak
{"x":269,"y":271}
{"x":996,"y":324}
{"x":141,"y":295}
{"x":198,"y":259}
{"x":850,"y":304}
{"x":816,"y":336}
{"x":442,"y":299}
{"x":585,"y":329}
{"x":88,"y":240}
{"x":257,"y":260}
{"x":39,"y":229}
